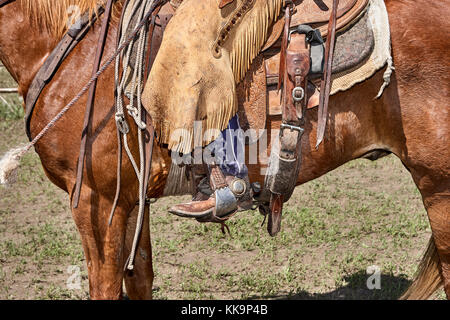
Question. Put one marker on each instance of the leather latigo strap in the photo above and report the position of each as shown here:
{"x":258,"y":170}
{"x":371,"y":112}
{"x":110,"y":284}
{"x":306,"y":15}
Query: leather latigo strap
{"x":325,"y":85}
{"x":90,"y":103}
{"x":5,"y":2}
{"x":285,"y":162}
{"x":295,"y":79}
{"x":284,"y":45}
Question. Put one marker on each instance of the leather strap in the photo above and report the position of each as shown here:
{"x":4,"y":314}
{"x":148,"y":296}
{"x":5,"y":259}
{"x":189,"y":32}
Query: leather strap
{"x":157,"y":27}
{"x":70,"y":40}
{"x":295,"y":77}
{"x":151,"y":29}
{"x":276,"y":209}
{"x":5,"y":2}
{"x":285,"y":160}
{"x":90,"y":102}
{"x":149,"y":138}
{"x":284,"y":45}
{"x":224,"y":3}
{"x":325,"y":85}
{"x":217,"y":178}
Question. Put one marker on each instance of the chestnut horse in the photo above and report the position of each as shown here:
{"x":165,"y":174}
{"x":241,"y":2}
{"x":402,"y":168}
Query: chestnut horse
{"x":410,"y":120}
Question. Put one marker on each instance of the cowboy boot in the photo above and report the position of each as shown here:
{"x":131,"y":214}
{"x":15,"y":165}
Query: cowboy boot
{"x":200,"y":204}
{"x":230,"y":195}
{"x":200,"y":177}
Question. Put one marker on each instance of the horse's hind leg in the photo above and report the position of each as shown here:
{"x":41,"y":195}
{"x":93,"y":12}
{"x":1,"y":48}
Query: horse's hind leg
{"x":435,"y":189}
{"x":103,"y":244}
{"x":438,"y":208}
{"x":139,"y":281}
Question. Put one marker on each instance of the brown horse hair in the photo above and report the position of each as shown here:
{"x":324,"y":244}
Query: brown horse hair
{"x":403,"y":127}
{"x":428,"y":278}
{"x":54,"y":16}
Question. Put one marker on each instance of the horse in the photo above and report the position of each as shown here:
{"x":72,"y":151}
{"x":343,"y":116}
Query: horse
{"x":410,"y":121}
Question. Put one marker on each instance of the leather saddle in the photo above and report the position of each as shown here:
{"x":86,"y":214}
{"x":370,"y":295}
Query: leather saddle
{"x":317,"y":14}
{"x":260,"y":85}
{"x":282,"y":76}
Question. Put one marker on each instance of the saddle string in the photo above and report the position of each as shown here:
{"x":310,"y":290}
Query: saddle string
{"x":135,"y":111}
{"x":118,"y":129}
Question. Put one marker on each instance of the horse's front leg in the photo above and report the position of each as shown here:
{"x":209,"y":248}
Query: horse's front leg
{"x":103,"y":244}
{"x":139,"y":281}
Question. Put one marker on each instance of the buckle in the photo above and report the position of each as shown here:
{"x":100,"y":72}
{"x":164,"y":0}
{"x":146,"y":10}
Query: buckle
{"x":298,"y":94}
{"x":292,"y":127}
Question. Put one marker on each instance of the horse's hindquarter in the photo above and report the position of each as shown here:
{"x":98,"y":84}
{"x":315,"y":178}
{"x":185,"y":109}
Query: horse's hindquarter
{"x":421,"y":43}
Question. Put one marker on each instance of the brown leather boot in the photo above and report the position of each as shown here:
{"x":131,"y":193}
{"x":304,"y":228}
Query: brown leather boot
{"x":202,"y":203}
{"x":195,"y":209}
{"x":230,"y":195}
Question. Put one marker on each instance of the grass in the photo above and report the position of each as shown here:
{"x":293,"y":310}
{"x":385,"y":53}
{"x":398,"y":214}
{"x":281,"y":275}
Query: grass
{"x":362,"y":214}
{"x":10,"y":104}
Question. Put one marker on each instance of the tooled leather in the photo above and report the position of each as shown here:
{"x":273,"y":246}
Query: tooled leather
{"x":306,"y":14}
{"x":252,"y":98}
{"x":312,"y":12}
{"x":297,"y":69}
{"x":217,"y":178}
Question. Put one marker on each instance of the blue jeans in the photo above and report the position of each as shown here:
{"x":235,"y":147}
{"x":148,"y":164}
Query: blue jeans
{"x":229,"y":150}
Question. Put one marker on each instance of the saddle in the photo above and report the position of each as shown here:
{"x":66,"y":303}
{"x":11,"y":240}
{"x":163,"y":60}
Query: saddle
{"x":265,"y":71}
{"x":293,"y":55}
{"x":317,"y":14}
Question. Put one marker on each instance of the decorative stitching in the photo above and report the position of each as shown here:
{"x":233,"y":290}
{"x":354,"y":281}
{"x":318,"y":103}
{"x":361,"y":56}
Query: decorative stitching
{"x":228,"y":27}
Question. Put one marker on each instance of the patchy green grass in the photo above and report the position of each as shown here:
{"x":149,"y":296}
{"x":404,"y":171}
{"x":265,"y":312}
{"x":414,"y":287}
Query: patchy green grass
{"x":360,"y":215}
{"x":10,"y":104}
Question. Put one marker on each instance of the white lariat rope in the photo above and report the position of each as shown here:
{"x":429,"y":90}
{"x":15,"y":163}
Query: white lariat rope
{"x":134,"y":109}
{"x":10,"y":162}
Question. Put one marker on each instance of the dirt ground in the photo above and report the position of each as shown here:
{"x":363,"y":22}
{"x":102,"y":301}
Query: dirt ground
{"x":334,"y":228}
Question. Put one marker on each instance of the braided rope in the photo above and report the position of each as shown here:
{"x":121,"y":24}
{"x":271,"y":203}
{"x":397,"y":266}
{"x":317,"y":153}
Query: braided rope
{"x":134,"y":109}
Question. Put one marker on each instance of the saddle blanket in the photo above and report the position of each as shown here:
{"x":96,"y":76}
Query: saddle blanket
{"x":378,"y":21}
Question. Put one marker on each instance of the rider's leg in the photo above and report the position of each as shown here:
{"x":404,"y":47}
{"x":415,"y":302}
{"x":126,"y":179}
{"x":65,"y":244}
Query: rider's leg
{"x":228,"y":153}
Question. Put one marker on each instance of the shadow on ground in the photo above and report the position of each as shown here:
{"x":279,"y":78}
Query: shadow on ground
{"x":355,"y":288}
